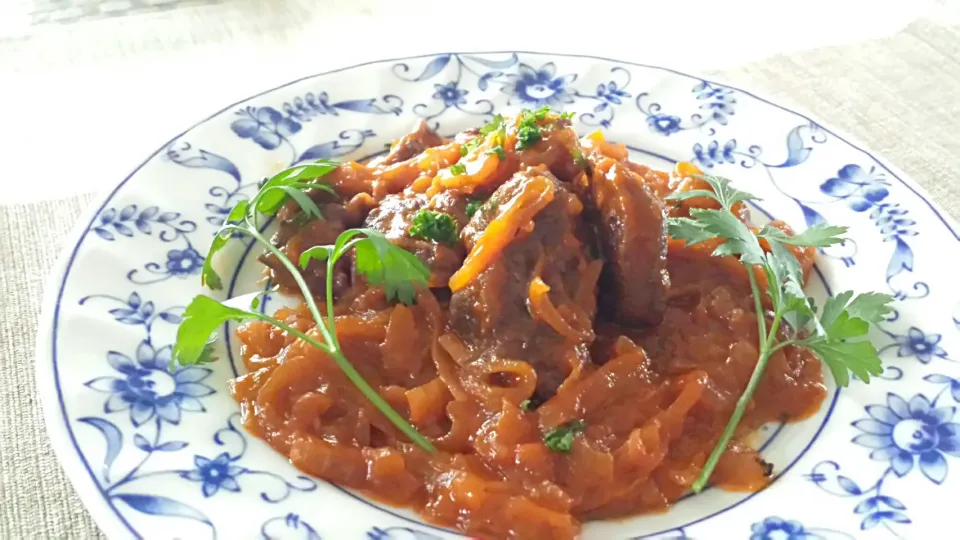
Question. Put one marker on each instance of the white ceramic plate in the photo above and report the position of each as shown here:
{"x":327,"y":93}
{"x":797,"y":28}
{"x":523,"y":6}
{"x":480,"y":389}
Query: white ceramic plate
{"x":162,"y":456}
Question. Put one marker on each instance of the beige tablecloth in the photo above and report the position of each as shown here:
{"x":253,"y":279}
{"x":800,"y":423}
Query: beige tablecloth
{"x":900,"y":95}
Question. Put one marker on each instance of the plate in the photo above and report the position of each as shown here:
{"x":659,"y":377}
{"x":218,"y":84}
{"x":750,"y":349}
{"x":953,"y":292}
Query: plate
{"x":161,"y":455}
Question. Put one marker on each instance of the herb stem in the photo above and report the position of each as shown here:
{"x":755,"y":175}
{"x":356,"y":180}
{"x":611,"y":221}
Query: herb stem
{"x":731,"y":427}
{"x":331,"y":319}
{"x":767,"y":348}
{"x":758,"y":305}
{"x":329,"y":335}
{"x":356,"y":378}
{"x":295,"y":274}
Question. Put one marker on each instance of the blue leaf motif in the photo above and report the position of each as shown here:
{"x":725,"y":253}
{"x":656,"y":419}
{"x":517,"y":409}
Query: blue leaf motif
{"x":186,"y":156}
{"x":876,"y":518}
{"x":891,"y":502}
{"x":848,"y":485}
{"x":435,"y":66}
{"x":902,"y":259}
{"x":113,"y":438}
{"x":141,"y":442}
{"x":128,"y":212}
{"x":171,"y":446}
{"x":105,"y":234}
{"x":171,"y":318}
{"x":797,"y":151}
{"x":161,"y":506}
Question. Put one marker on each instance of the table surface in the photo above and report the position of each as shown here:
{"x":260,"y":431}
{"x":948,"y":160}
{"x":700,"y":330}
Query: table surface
{"x":90,"y":87}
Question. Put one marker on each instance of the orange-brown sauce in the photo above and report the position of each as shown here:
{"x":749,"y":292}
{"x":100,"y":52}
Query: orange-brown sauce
{"x":530,"y":321}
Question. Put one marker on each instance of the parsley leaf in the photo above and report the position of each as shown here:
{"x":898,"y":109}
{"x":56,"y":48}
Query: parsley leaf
{"x":469,"y":146}
{"x":722,"y":191}
{"x":379,"y":261}
{"x":396,"y":269}
{"x":498,"y":151}
{"x":473,"y":207}
{"x":820,"y":235}
{"x":493,"y":125}
{"x":435,"y":226}
{"x":458,"y":169}
{"x":560,"y":438}
{"x":579,"y":159}
{"x":201,"y":318}
{"x":837,"y":335}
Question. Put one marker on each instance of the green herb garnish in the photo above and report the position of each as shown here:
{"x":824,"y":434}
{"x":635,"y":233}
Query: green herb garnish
{"x":494,"y":125}
{"x":468,"y":146}
{"x":567,"y":115}
{"x":836,"y":334}
{"x":498,"y":151}
{"x":473,"y":207}
{"x":579,"y":159}
{"x":458,"y":169}
{"x":526,"y":405}
{"x":435,"y":226}
{"x":380,"y":262}
{"x":560,"y":438}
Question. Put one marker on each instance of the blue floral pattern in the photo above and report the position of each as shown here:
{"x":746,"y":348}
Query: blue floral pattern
{"x":539,"y":87}
{"x":156,"y":444}
{"x":148,"y":390}
{"x":906,"y":433}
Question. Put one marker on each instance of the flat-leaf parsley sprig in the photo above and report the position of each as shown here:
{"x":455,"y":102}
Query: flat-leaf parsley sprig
{"x":381,"y":263}
{"x":836,"y":334}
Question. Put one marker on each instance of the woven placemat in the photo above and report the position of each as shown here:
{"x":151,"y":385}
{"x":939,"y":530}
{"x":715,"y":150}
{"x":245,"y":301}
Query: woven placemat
{"x":898,"y":95}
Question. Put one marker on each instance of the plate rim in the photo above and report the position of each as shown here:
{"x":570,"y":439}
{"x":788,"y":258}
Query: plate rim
{"x":56,"y":424}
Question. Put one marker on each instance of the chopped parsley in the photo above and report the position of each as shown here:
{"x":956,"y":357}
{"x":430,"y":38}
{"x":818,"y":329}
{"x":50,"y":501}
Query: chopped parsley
{"x":492,"y":126}
{"x":528,"y":131}
{"x":473,"y":207}
{"x":568,"y":115}
{"x":435,"y":226}
{"x":468,"y":146}
{"x":458,"y":169}
{"x":835,"y":333}
{"x":498,"y":151}
{"x":579,"y":159}
{"x":560,"y":438}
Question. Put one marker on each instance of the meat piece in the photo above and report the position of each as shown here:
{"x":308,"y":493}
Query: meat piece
{"x":394,"y":216}
{"x":296,"y":234}
{"x":534,"y":302}
{"x":631,"y":230}
{"x":411,"y":144}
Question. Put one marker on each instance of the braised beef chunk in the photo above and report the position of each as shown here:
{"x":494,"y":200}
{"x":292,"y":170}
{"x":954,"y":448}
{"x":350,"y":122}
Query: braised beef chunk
{"x":413,"y":143}
{"x":499,"y":315}
{"x":632,"y":234}
{"x":395,"y":215}
{"x":296,"y":233}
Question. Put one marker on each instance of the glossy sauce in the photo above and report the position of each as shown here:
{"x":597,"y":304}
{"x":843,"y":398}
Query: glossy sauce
{"x":525,"y":320}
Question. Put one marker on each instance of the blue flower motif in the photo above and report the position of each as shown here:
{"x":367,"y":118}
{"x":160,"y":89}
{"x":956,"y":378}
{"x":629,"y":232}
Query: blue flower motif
{"x":449,"y":94}
{"x":267,"y":126}
{"x":184,"y":262}
{"x":664,"y":124}
{"x":923,"y":346}
{"x":611,"y":93}
{"x":774,"y":528}
{"x":903,"y":433}
{"x":148,"y":390}
{"x":539,"y":87}
{"x":860,"y":188}
{"x":713,"y":154}
{"x":216,"y":473}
